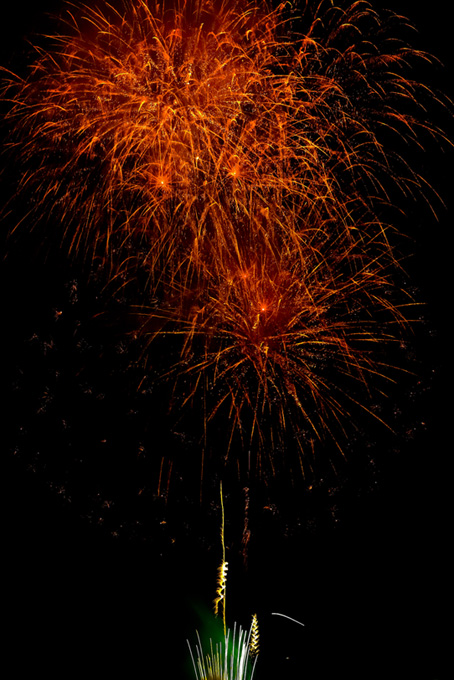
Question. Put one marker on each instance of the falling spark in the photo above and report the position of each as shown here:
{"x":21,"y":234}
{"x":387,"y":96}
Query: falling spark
{"x":287,"y":617}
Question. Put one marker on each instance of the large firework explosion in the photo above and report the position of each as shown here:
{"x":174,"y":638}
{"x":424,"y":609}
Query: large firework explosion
{"x":233,"y":165}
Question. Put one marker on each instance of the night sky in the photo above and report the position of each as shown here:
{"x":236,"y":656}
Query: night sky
{"x":103,"y":579}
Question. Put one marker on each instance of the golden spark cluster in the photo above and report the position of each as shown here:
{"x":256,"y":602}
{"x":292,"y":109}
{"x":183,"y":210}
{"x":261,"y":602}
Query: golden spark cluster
{"x":240,"y":158}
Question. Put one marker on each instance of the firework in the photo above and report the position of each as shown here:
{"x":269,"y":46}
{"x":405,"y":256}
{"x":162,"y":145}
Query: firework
{"x":156,"y":120}
{"x":235,"y":157}
{"x":226,"y":660}
{"x":222,"y":571}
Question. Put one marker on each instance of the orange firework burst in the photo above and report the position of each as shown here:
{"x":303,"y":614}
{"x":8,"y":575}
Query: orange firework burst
{"x":161,"y":117}
{"x":278,"y":338}
{"x":238,"y":155}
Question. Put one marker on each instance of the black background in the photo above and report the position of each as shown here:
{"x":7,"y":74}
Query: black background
{"x":372,"y":585}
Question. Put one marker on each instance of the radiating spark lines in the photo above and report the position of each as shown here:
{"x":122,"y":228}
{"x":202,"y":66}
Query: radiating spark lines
{"x":237,"y":158}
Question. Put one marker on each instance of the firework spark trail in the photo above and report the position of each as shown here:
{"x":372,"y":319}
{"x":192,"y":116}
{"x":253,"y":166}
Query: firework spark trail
{"x":239,"y":158}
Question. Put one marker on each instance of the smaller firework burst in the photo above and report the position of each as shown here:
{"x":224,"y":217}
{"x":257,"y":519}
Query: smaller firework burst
{"x":225,"y":660}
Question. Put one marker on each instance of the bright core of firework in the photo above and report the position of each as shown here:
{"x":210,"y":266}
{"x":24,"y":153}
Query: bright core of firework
{"x":236,"y":157}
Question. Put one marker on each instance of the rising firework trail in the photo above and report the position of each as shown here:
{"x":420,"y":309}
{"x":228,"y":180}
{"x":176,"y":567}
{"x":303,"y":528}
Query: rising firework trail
{"x":239,"y":159}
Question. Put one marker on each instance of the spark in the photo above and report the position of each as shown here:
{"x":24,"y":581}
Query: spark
{"x":287,"y":617}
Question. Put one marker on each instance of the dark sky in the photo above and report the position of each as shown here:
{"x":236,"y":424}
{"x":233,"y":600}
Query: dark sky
{"x":368,"y":572}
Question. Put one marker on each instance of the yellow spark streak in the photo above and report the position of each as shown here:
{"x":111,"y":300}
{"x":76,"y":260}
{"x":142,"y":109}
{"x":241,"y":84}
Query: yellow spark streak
{"x":222,"y":572}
